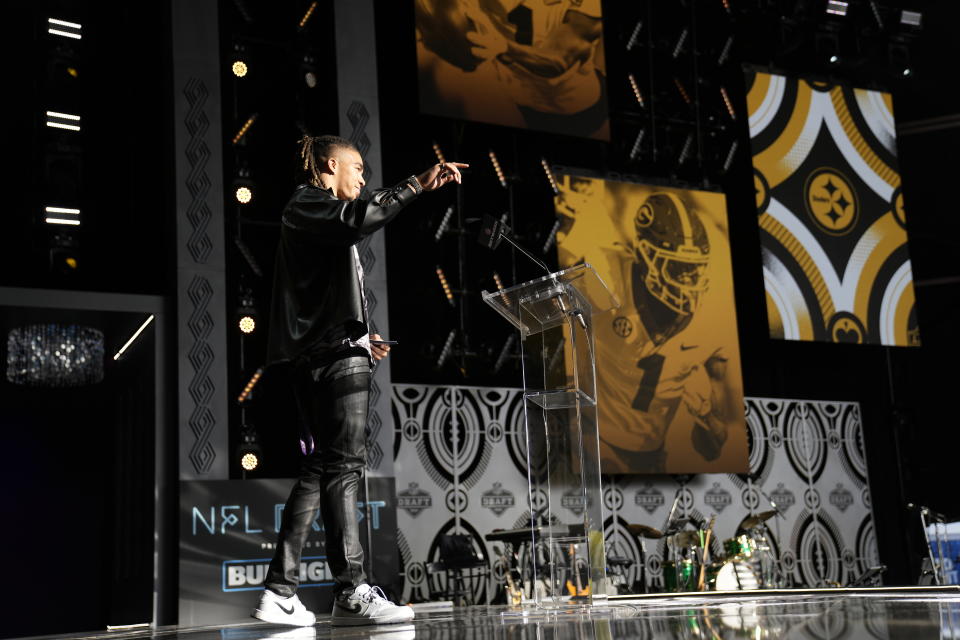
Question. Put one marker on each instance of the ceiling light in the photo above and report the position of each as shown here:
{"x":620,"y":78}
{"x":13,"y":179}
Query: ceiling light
{"x":63,"y":28}
{"x":911,"y":18}
{"x":837,"y":7}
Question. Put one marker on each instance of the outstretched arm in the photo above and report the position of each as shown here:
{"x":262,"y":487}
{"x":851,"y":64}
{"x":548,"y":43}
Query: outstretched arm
{"x":333,"y":221}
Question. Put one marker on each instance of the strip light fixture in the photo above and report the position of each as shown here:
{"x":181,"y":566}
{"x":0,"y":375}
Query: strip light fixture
{"x":725,"y":52}
{"x":439,"y":152}
{"x":730,"y":154}
{"x":444,"y":224}
{"x":62,"y":215}
{"x":63,"y":28}
{"x":63,"y":120}
{"x":243,"y":130}
{"x":505,"y":352}
{"x":635,"y":150}
{"x":447,"y":348}
{"x":496,"y":167}
{"x":133,"y":337}
{"x":635,"y":36}
{"x":837,"y":7}
{"x":682,"y":90}
{"x":550,"y":177}
{"x":552,"y":236}
{"x":678,"y":49}
{"x":248,"y":389}
{"x":445,"y":286}
{"x":728,"y":103}
{"x":306,"y":17}
{"x":636,"y":90}
{"x":911,"y":18}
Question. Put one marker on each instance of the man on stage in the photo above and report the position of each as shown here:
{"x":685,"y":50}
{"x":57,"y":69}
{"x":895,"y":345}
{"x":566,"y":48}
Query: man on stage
{"x":319,"y":324}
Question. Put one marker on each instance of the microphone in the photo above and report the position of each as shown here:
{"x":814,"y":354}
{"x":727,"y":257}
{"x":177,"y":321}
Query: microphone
{"x":492,"y":231}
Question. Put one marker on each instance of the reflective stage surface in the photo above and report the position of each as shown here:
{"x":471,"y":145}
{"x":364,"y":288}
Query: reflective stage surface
{"x":823,"y":615}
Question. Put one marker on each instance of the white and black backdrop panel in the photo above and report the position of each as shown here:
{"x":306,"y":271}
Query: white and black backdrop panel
{"x":460,"y":464}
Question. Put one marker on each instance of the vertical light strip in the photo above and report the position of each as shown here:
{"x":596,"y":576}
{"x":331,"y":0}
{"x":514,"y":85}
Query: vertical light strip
{"x":550,"y":177}
{"x":636,"y":90}
{"x":496,"y":167}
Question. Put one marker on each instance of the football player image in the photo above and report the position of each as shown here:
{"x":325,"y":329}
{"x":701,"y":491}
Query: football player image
{"x":668,"y":377}
{"x":534,"y":64}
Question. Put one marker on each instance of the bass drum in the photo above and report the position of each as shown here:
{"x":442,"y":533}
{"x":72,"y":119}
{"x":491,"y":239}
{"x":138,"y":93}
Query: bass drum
{"x":733,"y":576}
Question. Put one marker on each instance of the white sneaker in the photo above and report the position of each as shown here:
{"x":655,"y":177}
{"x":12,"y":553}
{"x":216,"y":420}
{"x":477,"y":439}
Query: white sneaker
{"x":280,"y":610}
{"x":368,"y":605}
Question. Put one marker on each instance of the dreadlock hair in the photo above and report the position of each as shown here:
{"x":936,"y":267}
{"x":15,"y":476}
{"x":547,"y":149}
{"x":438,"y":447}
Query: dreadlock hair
{"x":314,"y":153}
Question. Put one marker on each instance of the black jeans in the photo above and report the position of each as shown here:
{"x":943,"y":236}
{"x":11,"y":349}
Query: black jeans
{"x":332,"y":400}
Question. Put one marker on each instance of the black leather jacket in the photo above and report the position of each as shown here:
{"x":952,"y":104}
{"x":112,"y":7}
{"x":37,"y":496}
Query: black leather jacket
{"x":316,"y":289}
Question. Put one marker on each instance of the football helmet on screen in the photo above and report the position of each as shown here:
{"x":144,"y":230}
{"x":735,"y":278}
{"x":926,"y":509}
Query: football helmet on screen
{"x":672,"y":244}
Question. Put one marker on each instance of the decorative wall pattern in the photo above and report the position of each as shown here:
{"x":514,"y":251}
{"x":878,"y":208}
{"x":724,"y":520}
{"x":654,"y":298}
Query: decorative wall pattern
{"x":201,"y":285}
{"x":460,"y":462}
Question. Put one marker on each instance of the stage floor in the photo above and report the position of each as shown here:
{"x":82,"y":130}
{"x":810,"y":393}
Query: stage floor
{"x":815,"y":614}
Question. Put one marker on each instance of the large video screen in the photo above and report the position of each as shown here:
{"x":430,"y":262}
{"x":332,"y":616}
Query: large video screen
{"x":669,"y":384}
{"x":835,"y":261}
{"x":531,"y":64}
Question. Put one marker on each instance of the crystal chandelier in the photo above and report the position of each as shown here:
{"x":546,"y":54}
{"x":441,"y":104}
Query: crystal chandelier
{"x":54,"y":355}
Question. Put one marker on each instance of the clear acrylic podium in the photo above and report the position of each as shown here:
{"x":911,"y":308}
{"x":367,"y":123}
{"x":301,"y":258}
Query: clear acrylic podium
{"x":562,"y":550}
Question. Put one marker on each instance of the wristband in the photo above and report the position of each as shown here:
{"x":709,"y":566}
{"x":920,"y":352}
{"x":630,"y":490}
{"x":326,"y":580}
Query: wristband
{"x":415,"y":185}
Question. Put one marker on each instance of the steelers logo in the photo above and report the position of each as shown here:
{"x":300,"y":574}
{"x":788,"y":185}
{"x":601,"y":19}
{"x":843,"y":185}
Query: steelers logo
{"x":846,"y":328}
{"x":622,"y":326}
{"x":831,"y":201}
{"x":644,"y":217}
{"x":762,"y":191}
{"x":896,"y":204}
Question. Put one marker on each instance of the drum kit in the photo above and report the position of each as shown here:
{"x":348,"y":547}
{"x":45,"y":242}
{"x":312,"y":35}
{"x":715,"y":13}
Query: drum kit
{"x":747,"y":561}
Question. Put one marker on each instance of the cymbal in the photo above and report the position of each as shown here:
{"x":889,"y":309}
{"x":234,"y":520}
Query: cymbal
{"x":687,"y":538}
{"x":643,"y":531}
{"x":753,"y":521}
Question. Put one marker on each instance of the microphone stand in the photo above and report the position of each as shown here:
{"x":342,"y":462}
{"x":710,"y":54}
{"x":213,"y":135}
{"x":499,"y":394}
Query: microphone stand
{"x":516,"y":246}
{"x":777,"y":565}
{"x":670,"y":547}
{"x":502,"y":232}
{"x":939,"y":576}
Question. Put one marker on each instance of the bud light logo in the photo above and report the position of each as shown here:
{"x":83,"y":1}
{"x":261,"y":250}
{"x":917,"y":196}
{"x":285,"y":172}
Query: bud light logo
{"x":248,"y":575}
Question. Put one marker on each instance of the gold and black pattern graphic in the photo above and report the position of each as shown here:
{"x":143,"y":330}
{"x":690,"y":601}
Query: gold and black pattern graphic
{"x":835,"y":261}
